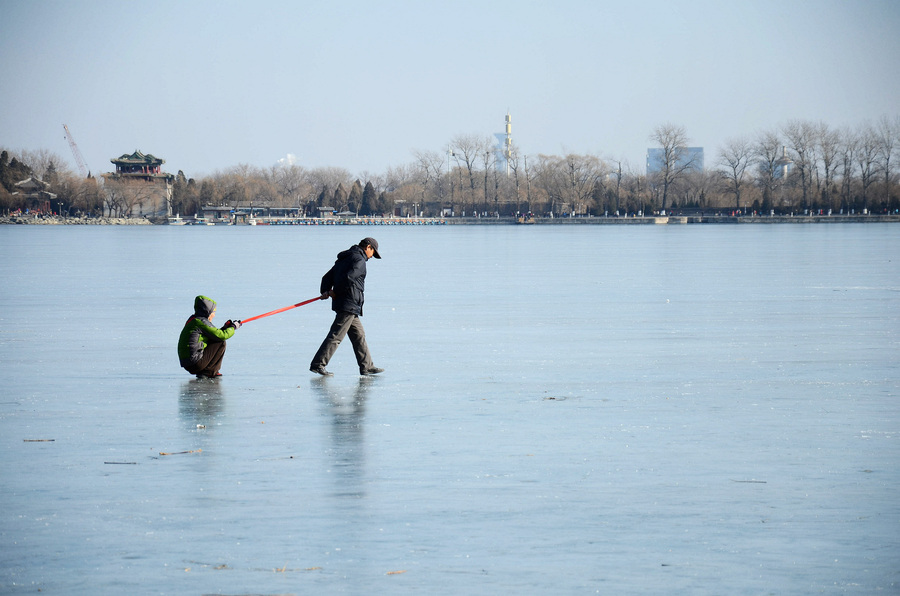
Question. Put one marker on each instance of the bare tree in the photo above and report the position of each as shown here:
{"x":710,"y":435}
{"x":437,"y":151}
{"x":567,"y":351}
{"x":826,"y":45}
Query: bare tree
{"x":467,"y":151}
{"x":291,"y":183}
{"x":328,"y":177}
{"x":488,"y":162}
{"x":888,"y":131}
{"x":81,"y":194}
{"x":584,"y":174}
{"x":801,"y":140}
{"x":113,"y":197}
{"x":768,"y":154}
{"x":430,"y":166}
{"x":234,"y":186}
{"x":676,"y":160}
{"x":828,"y":147}
{"x":516,"y":168}
{"x":569,"y":182}
{"x":550,"y":179}
{"x":617,"y":173}
{"x":245,"y":185}
{"x":139,"y":193}
{"x":376,"y":180}
{"x":401,"y":188}
{"x":637,"y":193}
{"x":711,"y":193}
{"x":42,"y":162}
{"x":849,"y":145}
{"x":867,"y":161}
{"x":734,"y":158}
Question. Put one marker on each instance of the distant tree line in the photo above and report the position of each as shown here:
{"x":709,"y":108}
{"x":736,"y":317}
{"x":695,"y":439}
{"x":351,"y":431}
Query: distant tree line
{"x":796,"y":167}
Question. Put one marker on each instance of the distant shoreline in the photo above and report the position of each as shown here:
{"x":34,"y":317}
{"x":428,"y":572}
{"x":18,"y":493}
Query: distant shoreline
{"x":651,"y":220}
{"x":55,"y":220}
{"x":682,"y":220}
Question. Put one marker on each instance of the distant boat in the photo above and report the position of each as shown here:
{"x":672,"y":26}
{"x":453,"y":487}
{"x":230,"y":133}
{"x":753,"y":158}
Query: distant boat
{"x":177,"y":221}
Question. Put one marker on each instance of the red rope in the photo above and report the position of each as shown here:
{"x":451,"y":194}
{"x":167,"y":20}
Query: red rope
{"x":275,"y":312}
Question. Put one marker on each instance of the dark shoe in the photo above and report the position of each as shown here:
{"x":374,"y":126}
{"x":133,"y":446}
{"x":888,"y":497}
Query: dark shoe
{"x":370,"y":371}
{"x":320,"y":370}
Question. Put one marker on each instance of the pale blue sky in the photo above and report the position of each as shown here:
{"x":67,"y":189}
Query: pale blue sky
{"x":362,"y":85}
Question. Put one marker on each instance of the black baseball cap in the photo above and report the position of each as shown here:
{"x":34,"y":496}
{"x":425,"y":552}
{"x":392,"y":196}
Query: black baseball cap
{"x":371,"y":242}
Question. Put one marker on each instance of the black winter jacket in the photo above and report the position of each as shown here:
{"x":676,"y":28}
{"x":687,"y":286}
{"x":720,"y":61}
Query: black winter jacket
{"x":348,"y":280}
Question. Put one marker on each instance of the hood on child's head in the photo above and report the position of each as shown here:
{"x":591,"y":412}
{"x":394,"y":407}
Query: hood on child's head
{"x":203,"y":306}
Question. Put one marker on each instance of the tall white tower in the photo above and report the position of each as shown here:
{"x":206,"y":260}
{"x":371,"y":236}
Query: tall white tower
{"x":507,"y":149}
{"x":504,"y":145}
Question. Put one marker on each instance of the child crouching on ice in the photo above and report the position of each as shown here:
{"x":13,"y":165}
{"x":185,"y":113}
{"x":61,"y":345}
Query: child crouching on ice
{"x":201,"y":346}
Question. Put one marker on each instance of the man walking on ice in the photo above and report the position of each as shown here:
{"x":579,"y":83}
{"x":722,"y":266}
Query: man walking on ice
{"x":345,"y":284}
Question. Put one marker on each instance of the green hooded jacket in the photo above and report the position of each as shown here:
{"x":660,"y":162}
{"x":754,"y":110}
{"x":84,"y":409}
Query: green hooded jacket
{"x":199,"y":332}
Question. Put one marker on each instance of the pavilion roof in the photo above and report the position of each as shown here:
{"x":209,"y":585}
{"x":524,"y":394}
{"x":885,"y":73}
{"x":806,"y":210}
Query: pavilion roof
{"x":32,"y":183}
{"x":138,"y":158}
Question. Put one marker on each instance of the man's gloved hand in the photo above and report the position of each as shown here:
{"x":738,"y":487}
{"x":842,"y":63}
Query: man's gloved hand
{"x":237,"y":324}
{"x":230,"y":323}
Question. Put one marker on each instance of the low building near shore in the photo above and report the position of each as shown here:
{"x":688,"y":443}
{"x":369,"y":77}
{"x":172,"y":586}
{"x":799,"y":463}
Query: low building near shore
{"x":35,"y":194}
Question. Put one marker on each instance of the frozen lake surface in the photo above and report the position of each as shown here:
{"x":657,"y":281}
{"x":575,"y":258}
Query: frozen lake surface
{"x":565,"y":410}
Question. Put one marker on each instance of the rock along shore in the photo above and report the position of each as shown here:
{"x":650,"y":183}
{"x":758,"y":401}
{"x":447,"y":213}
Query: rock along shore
{"x":54,"y":220}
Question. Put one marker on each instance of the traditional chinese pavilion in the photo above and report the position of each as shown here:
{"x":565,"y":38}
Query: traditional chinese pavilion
{"x":141,"y":166}
{"x":144,"y":167}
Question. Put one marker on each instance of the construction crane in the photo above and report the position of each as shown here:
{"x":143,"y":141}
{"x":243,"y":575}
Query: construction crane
{"x":79,"y":159}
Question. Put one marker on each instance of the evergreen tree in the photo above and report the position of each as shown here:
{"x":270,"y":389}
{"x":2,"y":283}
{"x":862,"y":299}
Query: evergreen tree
{"x":12,"y":171}
{"x":52,"y":176}
{"x":340,"y":198}
{"x":355,"y":199}
{"x":209,"y":193}
{"x":368,"y":206}
{"x":383,"y":205}
{"x":4,"y":170}
{"x":192,"y":196}
{"x":179,"y":189}
{"x":322,"y":200}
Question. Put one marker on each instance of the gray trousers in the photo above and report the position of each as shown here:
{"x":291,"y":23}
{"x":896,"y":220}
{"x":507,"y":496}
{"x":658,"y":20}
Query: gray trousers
{"x":349,"y":325}
{"x":211,"y":361}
